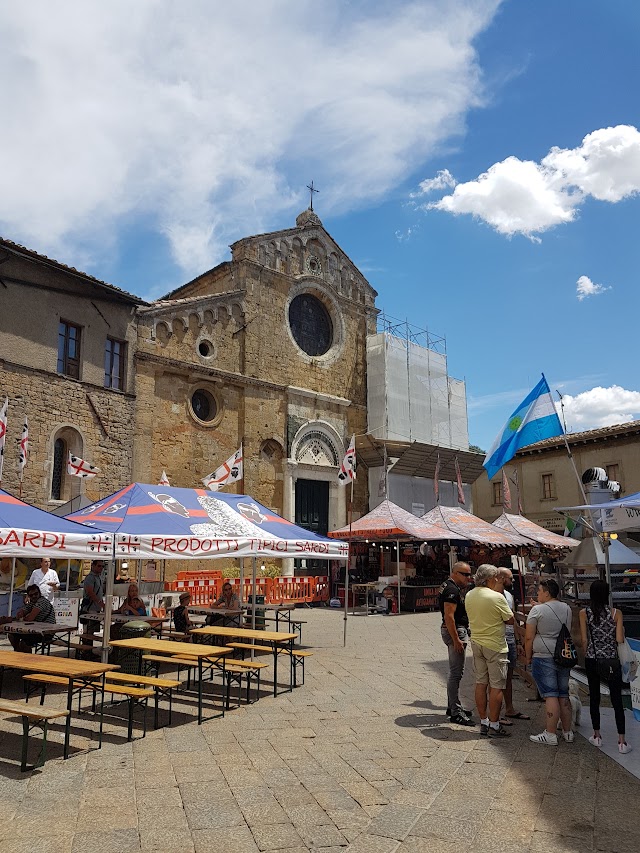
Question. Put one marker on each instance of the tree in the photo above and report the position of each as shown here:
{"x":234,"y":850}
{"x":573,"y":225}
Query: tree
{"x":473,"y":448}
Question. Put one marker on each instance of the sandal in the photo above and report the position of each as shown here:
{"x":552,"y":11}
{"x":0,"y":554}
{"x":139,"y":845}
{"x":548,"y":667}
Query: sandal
{"x":504,"y":722}
{"x":518,"y":716}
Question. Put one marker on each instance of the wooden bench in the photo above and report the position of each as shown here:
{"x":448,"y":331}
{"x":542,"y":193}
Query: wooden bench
{"x":243,"y":646}
{"x":297,"y":626}
{"x":32,"y":718}
{"x":133,"y":695}
{"x":233,"y":672}
{"x":153,"y":663}
{"x":160,"y":686}
{"x":297,"y":659}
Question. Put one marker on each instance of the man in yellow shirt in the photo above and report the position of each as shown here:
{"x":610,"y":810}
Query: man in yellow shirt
{"x":488,"y":614}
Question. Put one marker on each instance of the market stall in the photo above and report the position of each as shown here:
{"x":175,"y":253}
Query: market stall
{"x":522,"y":526}
{"x":150,"y":522}
{"x":26,"y":531}
{"x":378,"y":536}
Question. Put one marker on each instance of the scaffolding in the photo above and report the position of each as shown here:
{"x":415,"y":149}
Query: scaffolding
{"x":410,"y":395}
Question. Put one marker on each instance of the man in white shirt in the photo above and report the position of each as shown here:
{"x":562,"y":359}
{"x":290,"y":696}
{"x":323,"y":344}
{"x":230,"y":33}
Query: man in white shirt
{"x":45,"y":578}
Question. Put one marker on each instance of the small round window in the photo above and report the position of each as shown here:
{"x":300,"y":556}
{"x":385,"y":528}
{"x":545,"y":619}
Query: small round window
{"x":310,"y":324}
{"x":204,"y":405}
{"x":205,"y":348}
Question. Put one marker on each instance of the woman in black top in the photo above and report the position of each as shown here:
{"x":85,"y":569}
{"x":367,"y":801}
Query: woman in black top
{"x":601,"y":630}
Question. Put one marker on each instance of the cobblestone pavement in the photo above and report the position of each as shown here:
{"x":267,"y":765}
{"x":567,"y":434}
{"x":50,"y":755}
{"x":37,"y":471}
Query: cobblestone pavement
{"x":361,"y":759}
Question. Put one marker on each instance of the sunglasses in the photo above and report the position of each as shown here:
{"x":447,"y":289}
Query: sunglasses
{"x":465,"y":574}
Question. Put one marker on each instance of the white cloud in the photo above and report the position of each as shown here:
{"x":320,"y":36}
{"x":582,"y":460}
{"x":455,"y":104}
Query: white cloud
{"x":585,"y":287}
{"x":205,"y":121}
{"x":600,"y":407}
{"x":524,"y":197}
{"x":442,"y":181}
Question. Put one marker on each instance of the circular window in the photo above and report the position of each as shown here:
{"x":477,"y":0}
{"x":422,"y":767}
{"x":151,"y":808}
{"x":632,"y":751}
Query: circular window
{"x":205,"y":349}
{"x":204,"y":405}
{"x":310,"y":324}
{"x":314,"y":266}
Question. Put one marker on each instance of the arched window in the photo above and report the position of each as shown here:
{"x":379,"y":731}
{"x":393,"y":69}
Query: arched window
{"x":66,"y":440}
{"x":59,"y":459}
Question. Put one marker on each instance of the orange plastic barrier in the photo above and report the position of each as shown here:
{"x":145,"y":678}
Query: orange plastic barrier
{"x":299,"y":590}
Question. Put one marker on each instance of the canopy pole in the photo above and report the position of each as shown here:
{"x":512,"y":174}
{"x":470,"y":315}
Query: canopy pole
{"x":68,"y":573}
{"x":108,"y":604}
{"x":13,"y":578}
{"x":398,"y":570}
{"x":346,"y":570}
{"x":607,"y":565}
{"x":253,"y":599}
{"x":242,"y":581}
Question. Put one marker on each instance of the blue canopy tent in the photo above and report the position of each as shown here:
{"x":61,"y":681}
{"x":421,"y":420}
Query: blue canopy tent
{"x":162,"y":522}
{"x":615,"y":516}
{"x":26,"y":531}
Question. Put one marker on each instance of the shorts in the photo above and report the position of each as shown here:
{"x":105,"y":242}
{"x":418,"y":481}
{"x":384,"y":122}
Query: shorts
{"x":490,"y":666}
{"x":551,"y":680}
{"x":513,"y":652}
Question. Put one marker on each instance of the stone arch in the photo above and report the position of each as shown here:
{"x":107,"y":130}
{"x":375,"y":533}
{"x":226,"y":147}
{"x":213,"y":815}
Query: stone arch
{"x":297,"y":256}
{"x":163,"y":333}
{"x":271,"y":451}
{"x":65,"y":439}
{"x":317,"y":443}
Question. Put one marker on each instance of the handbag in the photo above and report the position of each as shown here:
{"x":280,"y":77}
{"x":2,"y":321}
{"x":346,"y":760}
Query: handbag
{"x":565,"y":654}
{"x":85,"y":604}
{"x":628,"y":662}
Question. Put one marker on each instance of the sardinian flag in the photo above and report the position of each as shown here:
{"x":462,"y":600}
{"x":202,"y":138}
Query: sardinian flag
{"x":459,"y":484}
{"x":164,"y":480}
{"x":229,"y":472}
{"x":3,"y":431}
{"x":347,"y":472}
{"x":77,"y":467}
{"x":23,"y":448}
{"x":506,"y":492}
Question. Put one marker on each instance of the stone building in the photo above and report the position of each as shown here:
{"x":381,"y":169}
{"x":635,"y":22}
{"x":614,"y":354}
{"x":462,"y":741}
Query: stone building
{"x":66,"y":363}
{"x":267,"y":350}
{"x":547,"y":480}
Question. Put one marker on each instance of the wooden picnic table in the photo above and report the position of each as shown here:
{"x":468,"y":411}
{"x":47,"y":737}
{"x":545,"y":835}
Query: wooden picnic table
{"x":46,"y":629}
{"x":212,"y":610}
{"x":76,"y":671}
{"x":174,"y":648}
{"x":281,"y":610}
{"x":277,"y":639}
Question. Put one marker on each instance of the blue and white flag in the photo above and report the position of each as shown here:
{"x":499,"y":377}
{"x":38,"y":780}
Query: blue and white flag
{"x":534,"y":420}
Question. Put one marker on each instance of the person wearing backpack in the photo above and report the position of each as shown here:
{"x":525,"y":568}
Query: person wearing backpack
{"x":601,"y":630}
{"x":551,"y":655}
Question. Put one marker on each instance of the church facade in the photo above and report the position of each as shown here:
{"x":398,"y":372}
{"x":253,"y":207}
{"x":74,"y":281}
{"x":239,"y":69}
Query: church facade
{"x":267,"y":350}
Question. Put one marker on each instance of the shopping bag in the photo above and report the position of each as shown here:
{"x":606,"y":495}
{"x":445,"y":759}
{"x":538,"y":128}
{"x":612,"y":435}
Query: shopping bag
{"x":628,"y":662}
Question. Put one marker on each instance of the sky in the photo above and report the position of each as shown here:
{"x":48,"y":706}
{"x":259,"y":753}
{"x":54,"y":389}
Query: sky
{"x":478,"y":161}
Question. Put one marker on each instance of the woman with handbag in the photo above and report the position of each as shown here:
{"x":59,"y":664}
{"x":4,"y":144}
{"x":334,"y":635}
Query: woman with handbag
{"x":601,"y":630}
{"x":547,"y":620}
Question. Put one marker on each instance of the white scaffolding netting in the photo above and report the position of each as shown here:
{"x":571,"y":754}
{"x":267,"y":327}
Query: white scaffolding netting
{"x":410,"y":395}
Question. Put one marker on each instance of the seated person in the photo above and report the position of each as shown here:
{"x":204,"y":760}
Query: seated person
{"x":37,"y":609}
{"x":133,"y":605}
{"x":181,"y":620}
{"x":230,"y":601}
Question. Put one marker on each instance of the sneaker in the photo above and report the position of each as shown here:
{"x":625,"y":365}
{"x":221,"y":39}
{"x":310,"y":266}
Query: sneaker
{"x":462,"y":720}
{"x":499,"y":732}
{"x":624,"y":748}
{"x":596,"y":741}
{"x":484,"y":730}
{"x":464,"y":711}
{"x":545,"y":737}
{"x":568,"y":736}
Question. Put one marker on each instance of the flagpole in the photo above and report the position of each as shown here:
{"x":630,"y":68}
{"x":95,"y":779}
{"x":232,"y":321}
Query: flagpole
{"x":346,"y":572}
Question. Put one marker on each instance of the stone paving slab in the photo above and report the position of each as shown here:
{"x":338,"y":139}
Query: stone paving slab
{"x":360,"y":759}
